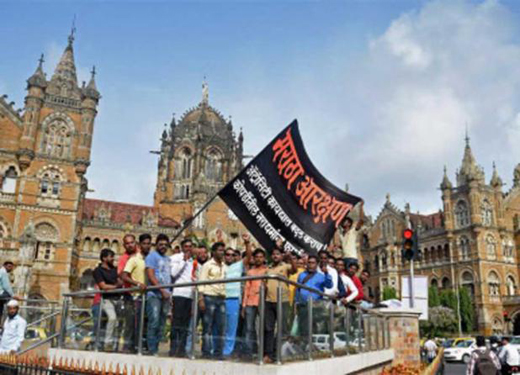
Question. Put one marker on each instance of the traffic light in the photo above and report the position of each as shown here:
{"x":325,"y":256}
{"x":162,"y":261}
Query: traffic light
{"x":410,"y":245}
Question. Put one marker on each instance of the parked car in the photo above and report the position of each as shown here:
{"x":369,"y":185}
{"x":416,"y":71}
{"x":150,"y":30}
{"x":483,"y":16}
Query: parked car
{"x":321,"y":341}
{"x":461,"y":352}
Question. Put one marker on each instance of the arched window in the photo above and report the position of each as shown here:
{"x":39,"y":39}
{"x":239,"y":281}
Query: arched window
{"x":494,"y":284}
{"x":46,"y":237}
{"x":434,"y":283}
{"x":86,"y":244}
{"x":508,"y":247}
{"x":440,"y":254}
{"x":184,"y":164}
{"x":491,"y":246}
{"x":213,"y":168}
{"x":433,"y":255}
{"x":426,"y":256}
{"x":376,"y":263}
{"x":8,"y":182}
{"x":57,"y":138}
{"x":446,"y":283}
{"x":464,"y":248}
{"x":447,"y":252}
{"x":462,"y":214}
{"x":86,"y":282}
{"x":96,"y":247}
{"x":487,"y":213}
{"x":511,"y":286}
{"x":50,"y":185}
{"x":115,"y":246}
{"x":467,"y":281}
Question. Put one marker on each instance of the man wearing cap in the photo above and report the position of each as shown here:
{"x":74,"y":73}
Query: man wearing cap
{"x":14,"y":329}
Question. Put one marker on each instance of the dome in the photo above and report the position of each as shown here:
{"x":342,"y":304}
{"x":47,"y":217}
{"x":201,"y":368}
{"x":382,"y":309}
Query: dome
{"x":202,"y":113}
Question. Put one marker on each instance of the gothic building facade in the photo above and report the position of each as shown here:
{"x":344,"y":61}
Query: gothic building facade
{"x":472,"y":243}
{"x":48,"y":226}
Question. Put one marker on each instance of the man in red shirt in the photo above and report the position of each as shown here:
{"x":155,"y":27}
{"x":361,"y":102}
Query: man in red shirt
{"x":128,"y":307}
{"x":352,"y":269}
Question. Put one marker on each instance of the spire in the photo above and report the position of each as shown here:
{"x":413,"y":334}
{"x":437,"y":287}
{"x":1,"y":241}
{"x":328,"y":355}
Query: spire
{"x":65,"y":73}
{"x":91,"y":90}
{"x":496,"y":181}
{"x":469,"y":170}
{"x":205,"y":92}
{"x":38,"y":78}
{"x":446,"y":183}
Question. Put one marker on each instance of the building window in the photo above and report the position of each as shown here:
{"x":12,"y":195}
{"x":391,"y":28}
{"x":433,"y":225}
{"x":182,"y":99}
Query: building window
{"x":57,"y":139}
{"x":213,"y":169}
{"x":462,"y":214}
{"x":511,"y":286}
{"x":182,"y":192}
{"x":184,"y":164}
{"x":487,"y":213}
{"x":44,"y":251}
{"x":464,"y":248}
{"x":491,"y":247}
{"x":8,"y":182}
{"x":494,"y":284}
{"x":508,"y":249}
{"x":50,"y":184}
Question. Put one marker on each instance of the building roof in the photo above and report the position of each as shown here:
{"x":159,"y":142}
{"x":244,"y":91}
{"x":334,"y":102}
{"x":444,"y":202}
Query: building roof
{"x":427,"y":221}
{"x":122,"y":213}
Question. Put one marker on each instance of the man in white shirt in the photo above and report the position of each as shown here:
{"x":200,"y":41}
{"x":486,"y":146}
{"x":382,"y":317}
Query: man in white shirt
{"x":431,"y":350}
{"x":181,"y":272}
{"x":324,"y":259}
{"x":348,"y":234}
{"x":351,"y":291}
{"x":14,"y":329}
{"x":509,"y":357}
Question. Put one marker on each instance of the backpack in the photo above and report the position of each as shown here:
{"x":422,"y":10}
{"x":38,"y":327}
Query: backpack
{"x":484,"y":364}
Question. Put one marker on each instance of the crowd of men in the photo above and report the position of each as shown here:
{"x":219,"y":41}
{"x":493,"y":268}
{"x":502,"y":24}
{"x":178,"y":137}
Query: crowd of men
{"x":228,"y":311}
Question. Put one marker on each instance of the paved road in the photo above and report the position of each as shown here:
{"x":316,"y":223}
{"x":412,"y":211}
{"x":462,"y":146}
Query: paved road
{"x":455,"y":369}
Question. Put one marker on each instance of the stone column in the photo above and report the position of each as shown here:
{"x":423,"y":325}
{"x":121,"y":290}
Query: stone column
{"x":403,"y":325}
{"x":25,"y":262}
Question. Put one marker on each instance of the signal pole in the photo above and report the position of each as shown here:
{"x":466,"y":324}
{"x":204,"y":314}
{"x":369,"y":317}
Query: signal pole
{"x":410,"y":248}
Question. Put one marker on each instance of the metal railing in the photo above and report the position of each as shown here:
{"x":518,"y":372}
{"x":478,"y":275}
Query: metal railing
{"x":355,"y":330}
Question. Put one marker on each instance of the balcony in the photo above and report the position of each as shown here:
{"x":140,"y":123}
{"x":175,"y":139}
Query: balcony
{"x":7,"y":197}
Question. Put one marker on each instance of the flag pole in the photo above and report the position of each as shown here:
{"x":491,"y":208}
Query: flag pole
{"x":188,"y":222}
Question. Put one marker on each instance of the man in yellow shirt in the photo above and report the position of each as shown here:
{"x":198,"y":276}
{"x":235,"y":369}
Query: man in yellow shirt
{"x":134,"y":275}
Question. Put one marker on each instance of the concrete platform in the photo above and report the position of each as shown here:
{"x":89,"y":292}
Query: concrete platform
{"x":357,"y":363}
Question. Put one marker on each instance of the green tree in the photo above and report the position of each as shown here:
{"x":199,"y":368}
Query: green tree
{"x":467,"y":313}
{"x":433,"y":297}
{"x":389,"y":293}
{"x":448,"y":298}
{"x":441,"y":321}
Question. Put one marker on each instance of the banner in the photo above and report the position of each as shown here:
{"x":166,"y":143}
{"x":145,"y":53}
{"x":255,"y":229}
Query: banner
{"x":281,"y":195}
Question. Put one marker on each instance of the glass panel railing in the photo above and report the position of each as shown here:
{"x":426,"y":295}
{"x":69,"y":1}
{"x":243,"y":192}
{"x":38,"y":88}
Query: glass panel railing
{"x":233,"y":320}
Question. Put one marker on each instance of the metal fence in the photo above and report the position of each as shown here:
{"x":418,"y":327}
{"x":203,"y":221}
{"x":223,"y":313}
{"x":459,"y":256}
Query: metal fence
{"x":317,"y":329}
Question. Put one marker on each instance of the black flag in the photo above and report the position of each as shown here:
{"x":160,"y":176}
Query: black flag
{"x":281,"y":195}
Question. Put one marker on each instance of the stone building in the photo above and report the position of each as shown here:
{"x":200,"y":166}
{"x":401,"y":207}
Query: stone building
{"x":472,"y":242}
{"x":47,"y":225}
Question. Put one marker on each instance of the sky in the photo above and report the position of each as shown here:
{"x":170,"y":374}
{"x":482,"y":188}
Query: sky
{"x":383,"y":90}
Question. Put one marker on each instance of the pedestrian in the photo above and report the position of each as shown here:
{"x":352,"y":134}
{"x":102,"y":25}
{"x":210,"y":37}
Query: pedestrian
{"x":251,"y":301}
{"x":351,"y":291}
{"x":212,"y":302}
{"x":348,"y":234}
{"x":431,"y":349}
{"x":14,"y":330}
{"x":483,"y":361}
{"x":282,"y":264}
{"x":6,"y":290}
{"x":352,"y":271}
{"x":106,"y":278}
{"x":158,"y":300}
{"x":182,"y":273}
{"x":509,"y":357}
{"x":235,"y":268}
{"x":128,"y":306}
{"x":134,"y":275}
{"x":312,"y":279}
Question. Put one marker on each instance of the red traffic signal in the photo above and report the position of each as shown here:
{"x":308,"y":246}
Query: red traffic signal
{"x":407,"y":234}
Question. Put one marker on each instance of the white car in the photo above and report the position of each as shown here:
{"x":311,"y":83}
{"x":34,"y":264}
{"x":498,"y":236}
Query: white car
{"x":322,"y":341}
{"x":461,"y":352}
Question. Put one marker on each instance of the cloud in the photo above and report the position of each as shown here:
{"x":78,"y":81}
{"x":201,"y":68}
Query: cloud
{"x":386,"y":119}
{"x":389,"y":120}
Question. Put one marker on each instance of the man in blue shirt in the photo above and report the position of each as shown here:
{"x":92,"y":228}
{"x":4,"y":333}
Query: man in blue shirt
{"x":158,"y":301}
{"x":312,"y":279}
